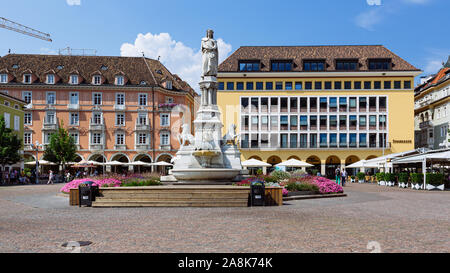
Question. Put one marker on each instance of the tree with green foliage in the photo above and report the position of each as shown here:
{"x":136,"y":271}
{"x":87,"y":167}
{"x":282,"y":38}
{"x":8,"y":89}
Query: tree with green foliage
{"x":10,"y":145}
{"x":61,"y":149}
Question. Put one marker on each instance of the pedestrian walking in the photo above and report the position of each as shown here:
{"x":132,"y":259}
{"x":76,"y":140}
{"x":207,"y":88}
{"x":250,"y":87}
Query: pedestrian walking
{"x":337,"y":172}
{"x":50,"y":177}
{"x":344,"y":177}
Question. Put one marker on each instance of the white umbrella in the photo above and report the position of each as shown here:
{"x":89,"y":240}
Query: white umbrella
{"x":363,"y":164}
{"x":294,"y":163}
{"x":115,"y":163}
{"x":161,"y":163}
{"x":139,"y":163}
{"x":255,"y":163}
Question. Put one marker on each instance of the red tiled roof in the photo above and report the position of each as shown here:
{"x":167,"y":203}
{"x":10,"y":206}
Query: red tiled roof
{"x":299,"y":53}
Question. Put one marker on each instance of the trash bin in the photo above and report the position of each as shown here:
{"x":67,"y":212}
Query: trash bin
{"x":257,"y":193}
{"x":86,"y":193}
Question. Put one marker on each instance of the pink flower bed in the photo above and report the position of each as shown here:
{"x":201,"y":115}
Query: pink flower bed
{"x":111,"y":182}
{"x":327,"y":186}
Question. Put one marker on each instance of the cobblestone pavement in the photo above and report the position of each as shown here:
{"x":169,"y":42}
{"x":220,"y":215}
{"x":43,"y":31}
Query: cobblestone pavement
{"x":37,"y":219}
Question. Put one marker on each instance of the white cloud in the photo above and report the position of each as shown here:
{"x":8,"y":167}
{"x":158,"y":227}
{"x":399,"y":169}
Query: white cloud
{"x":368,"y":19}
{"x":177,"y":57}
{"x":73,"y":2}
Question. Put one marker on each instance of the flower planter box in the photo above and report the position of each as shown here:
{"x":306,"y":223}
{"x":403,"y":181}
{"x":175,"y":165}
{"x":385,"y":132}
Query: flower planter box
{"x":273,"y":196}
{"x":382,"y":183}
{"x":73,"y":197}
{"x":390,"y":184}
{"x":432,"y":187}
{"x":403,"y":185}
{"x":416,"y":186}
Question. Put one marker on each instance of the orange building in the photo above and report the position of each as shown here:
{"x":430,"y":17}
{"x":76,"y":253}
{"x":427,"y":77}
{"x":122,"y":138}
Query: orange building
{"x":116,"y":108}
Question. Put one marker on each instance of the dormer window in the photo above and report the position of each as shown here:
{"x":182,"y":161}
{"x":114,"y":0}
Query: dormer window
{"x":314,"y":65}
{"x":380,"y":64}
{"x":143,"y":83}
{"x":169,"y":85}
{"x":281,"y":65}
{"x":347,"y":64}
{"x":97,"y":80}
{"x":3,"y":78}
{"x":120,"y":80}
{"x":73,"y":79}
{"x":50,"y":79}
{"x":249,"y":66}
{"x":27,"y":78}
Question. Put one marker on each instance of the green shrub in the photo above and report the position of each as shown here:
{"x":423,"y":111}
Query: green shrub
{"x":403,"y":177}
{"x":294,"y":186}
{"x":435,"y":179}
{"x":280,"y":175}
{"x":361,"y":176}
{"x":270,"y":179}
{"x":416,"y":178}
{"x":259,"y":172}
{"x":380,"y":177}
{"x":314,"y":172}
{"x":389,"y":177}
{"x":142,"y":182}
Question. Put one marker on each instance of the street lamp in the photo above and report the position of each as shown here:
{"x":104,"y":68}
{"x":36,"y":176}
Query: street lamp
{"x":36,"y":148}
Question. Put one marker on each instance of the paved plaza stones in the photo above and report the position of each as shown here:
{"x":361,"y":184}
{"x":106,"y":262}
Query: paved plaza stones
{"x":38,"y":219}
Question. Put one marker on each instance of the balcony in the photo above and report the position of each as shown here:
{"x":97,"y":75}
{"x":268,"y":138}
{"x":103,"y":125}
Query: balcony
{"x":142,"y":127}
{"x":120,"y":107}
{"x":96,"y":147}
{"x":73,"y":107}
{"x":165,"y":147}
{"x":426,"y":124}
{"x":96,"y":125}
{"x":120,"y":147}
{"x":50,"y":126}
{"x":143,"y":147}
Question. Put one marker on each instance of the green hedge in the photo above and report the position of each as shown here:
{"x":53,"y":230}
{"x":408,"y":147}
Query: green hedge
{"x":435,"y":179}
{"x":403,"y":177}
{"x":280,"y":175}
{"x":416,"y":178}
{"x":390,"y":177}
{"x":302,"y":187}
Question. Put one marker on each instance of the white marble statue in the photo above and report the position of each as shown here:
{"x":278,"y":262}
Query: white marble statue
{"x":210,"y":54}
{"x":230,"y":136}
{"x":186,"y":136}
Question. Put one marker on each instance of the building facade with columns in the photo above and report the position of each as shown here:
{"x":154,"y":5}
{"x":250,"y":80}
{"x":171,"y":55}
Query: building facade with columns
{"x":327,"y":105}
{"x":432,"y":110}
{"x":116,"y":108}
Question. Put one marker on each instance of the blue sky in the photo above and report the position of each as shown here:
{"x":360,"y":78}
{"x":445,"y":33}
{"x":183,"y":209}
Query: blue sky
{"x":416,"y":30}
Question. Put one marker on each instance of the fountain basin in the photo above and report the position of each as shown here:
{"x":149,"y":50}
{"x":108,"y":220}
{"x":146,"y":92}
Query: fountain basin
{"x":206,"y":153}
{"x":205,"y":174}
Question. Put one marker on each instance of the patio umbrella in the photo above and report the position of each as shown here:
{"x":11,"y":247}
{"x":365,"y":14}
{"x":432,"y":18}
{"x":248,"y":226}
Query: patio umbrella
{"x":139,"y":164}
{"x":255,"y":163}
{"x":161,"y":163}
{"x":294,"y":163}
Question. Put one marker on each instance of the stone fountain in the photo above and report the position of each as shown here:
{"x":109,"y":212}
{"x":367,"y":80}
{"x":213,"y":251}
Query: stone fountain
{"x":208,"y":157}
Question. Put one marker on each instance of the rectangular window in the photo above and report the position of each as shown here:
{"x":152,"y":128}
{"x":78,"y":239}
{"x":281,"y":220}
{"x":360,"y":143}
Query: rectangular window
{"x":362,"y":140}
{"x":142,"y":99}
{"x":97,"y":119}
{"x":240,"y":86}
{"x":382,"y":122}
{"x":337,"y":85}
{"x":328,"y":85}
{"x":281,"y":65}
{"x":382,"y":104}
{"x":397,"y":85}
{"x":250,"y":86}
{"x":293,"y":141}
{"x":372,"y":104}
{"x":75,"y":137}
{"x":284,"y":121}
{"x":142,"y":139}
{"x":269,"y":85}
{"x":3,"y":78}
{"x":274,"y":105}
{"x":27,"y":140}
{"x":249,"y":66}
{"x":333,"y":102}
{"x":343,"y":104}
{"x":314,"y":65}
{"x":120,"y":80}
{"x":74,"y":119}
{"x":318,"y":85}
{"x":377,"y":85}
{"x":353,"y":122}
{"x":51,"y":97}
{"x":221,"y":85}
{"x":120,"y":139}
{"x":407,"y":84}
{"x":343,"y":140}
{"x":308,"y":85}
{"x":313,"y":122}
{"x":73,"y":79}
{"x":357,"y":85}
{"x":347,"y":85}
{"x":16,"y":123}
{"x":96,"y":138}
{"x":27,"y":78}
{"x":303,"y":120}
{"x":120,"y":119}
{"x":313,"y":140}
{"x":165,"y":120}
{"x":97,"y":98}
{"x":274,"y":123}
{"x":27,"y":96}
{"x":362,"y":122}
{"x":73,"y":100}
{"x":323,"y":122}
{"x":254,"y":105}
{"x":323,"y":104}
{"x":279,"y":85}
{"x":50,"y":118}
{"x":284,"y":140}
{"x":333,"y":122}
{"x":323,"y":140}
{"x":294,"y":122}
{"x":333,"y":140}
{"x":230,"y":85}
{"x":7,"y":118}
{"x":28,"y":118}
{"x":97,"y":80}
{"x":303,"y":140}
{"x":120,"y":99}
{"x":380,"y":64}
{"x":259,"y":85}
{"x":142,"y":119}
{"x":298,"y":86}
{"x":50,"y":79}
{"x":362,"y":104}
{"x":165,"y":139}
{"x":373,"y":122}
{"x":288,"y":85}
{"x":352,"y":138}
{"x":367,"y":85}
{"x":255,"y":123}
{"x":346,"y":65}
{"x":387,"y":84}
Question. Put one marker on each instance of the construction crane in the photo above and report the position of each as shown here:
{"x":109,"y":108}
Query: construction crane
{"x":8,"y":24}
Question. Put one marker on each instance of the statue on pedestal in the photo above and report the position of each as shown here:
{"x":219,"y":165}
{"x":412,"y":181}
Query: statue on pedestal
{"x":210,"y":54}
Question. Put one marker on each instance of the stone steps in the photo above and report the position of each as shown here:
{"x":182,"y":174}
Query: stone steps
{"x":173,"y":196}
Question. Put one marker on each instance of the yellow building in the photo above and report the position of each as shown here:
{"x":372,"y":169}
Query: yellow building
{"x":327,"y":105}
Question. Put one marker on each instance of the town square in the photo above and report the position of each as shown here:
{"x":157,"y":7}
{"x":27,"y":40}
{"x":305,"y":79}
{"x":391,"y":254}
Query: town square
{"x":228,"y":142}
